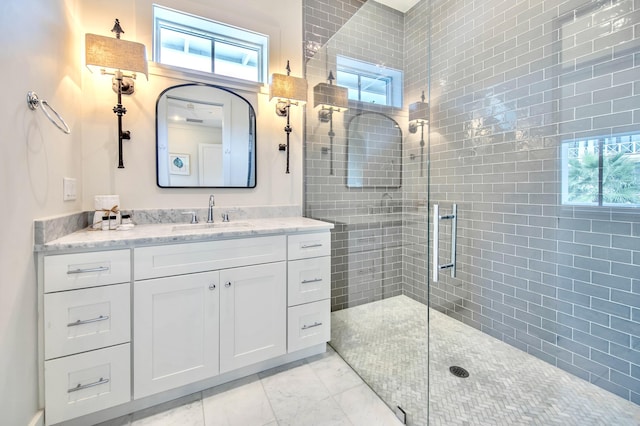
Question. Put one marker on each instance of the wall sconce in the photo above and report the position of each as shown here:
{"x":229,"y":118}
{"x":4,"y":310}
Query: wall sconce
{"x":288,"y":91}
{"x":331,"y":99}
{"x":114,"y":56}
{"x":419,"y":117}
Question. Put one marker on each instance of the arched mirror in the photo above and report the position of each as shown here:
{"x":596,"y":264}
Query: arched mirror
{"x":205,"y":137}
{"x":374,"y":151}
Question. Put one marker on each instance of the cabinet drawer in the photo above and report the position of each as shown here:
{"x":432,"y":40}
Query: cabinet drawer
{"x":82,"y":320}
{"x":177,"y":259}
{"x":309,"y":325}
{"x":80,"y":270}
{"x":301,"y":246}
{"x":309,"y":280}
{"x":81,"y":384}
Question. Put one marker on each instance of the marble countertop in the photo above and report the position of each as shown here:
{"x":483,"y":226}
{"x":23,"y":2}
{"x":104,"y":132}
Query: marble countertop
{"x":167,"y":233}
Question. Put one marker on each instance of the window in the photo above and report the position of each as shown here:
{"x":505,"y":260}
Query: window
{"x":200,"y":44}
{"x":369,"y":83}
{"x":602,"y":171}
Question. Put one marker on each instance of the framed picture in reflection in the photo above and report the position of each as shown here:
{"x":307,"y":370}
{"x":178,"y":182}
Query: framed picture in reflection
{"x":179,"y":164}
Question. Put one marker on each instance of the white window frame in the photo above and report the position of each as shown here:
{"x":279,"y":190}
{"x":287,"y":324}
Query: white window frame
{"x":215,"y":31}
{"x":596,"y":146}
{"x":392,"y":77}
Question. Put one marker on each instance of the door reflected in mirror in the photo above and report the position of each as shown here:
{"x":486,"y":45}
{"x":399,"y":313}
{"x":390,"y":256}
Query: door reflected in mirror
{"x":205,"y":137}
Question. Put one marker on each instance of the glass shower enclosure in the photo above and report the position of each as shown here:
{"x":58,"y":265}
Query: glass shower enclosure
{"x":484,"y":184}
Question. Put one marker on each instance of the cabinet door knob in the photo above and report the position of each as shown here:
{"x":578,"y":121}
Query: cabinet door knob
{"x":227,"y":284}
{"x":212,"y":286}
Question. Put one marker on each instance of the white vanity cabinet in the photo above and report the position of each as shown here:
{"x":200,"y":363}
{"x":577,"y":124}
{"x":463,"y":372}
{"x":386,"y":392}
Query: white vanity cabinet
{"x":125,"y":329}
{"x":220,"y":297}
{"x":86,"y":327}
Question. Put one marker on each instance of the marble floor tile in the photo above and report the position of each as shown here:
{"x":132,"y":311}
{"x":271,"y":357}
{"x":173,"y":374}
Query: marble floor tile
{"x":334,"y":373}
{"x":301,"y":393}
{"x":239,"y":403}
{"x":190,"y":414}
{"x":293,"y":392}
{"x":325,"y":412}
{"x":364,"y":407}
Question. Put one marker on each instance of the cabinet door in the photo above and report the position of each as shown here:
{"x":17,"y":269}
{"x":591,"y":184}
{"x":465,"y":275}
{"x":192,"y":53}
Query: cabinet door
{"x":253,"y":315}
{"x":176,"y":331}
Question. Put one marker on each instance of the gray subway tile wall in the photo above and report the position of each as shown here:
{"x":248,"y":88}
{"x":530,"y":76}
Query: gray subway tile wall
{"x":367,"y":260}
{"x":508,"y":82}
{"x":572,"y":77}
{"x":323,"y":18}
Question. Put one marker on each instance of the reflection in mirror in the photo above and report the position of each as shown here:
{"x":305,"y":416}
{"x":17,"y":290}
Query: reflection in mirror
{"x":205,"y":137}
{"x":374,"y":151}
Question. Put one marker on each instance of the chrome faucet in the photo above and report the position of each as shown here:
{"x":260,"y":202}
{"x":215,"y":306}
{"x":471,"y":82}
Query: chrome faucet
{"x":386,"y":196}
{"x":212,"y":203}
{"x":384,"y":203}
{"x":194,"y":216}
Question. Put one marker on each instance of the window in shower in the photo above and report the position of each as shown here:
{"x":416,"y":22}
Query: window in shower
{"x":369,"y":82}
{"x":603,"y":171}
{"x":200,"y":44}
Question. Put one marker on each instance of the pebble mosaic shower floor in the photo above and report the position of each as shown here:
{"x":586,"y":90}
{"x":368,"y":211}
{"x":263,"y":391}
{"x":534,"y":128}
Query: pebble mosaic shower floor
{"x":385,"y":342}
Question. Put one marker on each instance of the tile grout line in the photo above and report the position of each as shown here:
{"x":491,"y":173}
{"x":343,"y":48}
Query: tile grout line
{"x":266,"y":394}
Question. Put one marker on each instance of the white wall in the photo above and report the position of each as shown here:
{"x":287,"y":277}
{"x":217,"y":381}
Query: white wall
{"x":39,"y":53}
{"x":43,"y":51}
{"x":281,"y":20}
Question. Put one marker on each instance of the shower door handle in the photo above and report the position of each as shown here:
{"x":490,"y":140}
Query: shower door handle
{"x":436,"y":240}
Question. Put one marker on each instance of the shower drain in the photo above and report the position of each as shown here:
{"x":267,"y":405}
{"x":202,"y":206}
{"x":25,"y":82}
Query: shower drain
{"x":459,"y":371}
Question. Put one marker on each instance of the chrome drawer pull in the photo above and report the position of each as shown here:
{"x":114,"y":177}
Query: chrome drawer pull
{"x":89,"y":321}
{"x":315,"y":324}
{"x":84,"y":271}
{"x":315,"y":280}
{"x":304,"y":246}
{"x":88,"y":385}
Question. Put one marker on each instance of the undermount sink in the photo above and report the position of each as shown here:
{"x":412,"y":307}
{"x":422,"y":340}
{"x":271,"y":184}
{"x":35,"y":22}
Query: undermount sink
{"x":210,"y":226}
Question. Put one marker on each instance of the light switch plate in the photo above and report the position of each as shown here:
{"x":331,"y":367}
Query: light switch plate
{"x":69,"y":189}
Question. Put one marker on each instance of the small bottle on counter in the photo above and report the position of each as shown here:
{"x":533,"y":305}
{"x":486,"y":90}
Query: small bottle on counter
{"x":113,"y":223}
{"x":126,"y":219}
{"x":105,"y":223}
{"x":126,"y":224}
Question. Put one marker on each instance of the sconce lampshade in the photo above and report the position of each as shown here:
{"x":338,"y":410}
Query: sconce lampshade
{"x":115,"y":54}
{"x":331,"y":97}
{"x":419,"y":111}
{"x":288,"y":87}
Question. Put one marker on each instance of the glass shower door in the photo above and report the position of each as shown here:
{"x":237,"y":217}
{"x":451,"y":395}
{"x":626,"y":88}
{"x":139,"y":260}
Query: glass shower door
{"x":534,"y":137}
